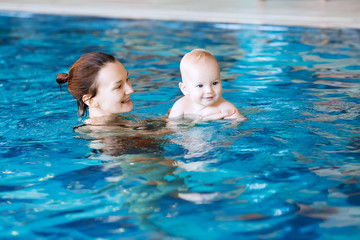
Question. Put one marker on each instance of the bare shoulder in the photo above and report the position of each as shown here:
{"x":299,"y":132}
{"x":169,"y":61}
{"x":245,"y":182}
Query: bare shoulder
{"x":228,"y":106}
{"x":177,"y":109}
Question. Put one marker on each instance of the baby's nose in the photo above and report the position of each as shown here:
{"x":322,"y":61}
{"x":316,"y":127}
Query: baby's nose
{"x":209,"y":89}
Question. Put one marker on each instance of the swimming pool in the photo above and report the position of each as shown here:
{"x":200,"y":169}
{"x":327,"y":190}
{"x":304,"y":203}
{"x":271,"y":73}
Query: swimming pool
{"x":291,"y":171}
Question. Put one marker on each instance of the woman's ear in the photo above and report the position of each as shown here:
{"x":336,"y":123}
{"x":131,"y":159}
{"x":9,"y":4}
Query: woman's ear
{"x":183,"y":88}
{"x":89,"y":100}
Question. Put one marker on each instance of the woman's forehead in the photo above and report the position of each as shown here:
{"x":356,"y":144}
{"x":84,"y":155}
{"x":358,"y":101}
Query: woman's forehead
{"x":114,"y":71}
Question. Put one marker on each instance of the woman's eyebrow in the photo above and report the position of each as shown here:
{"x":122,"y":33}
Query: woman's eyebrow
{"x":116,"y":84}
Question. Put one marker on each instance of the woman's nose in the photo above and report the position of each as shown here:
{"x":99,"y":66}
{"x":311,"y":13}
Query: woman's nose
{"x":128,"y":89}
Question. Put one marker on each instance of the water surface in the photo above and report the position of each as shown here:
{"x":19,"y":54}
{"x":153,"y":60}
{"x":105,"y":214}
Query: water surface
{"x":291,"y":171}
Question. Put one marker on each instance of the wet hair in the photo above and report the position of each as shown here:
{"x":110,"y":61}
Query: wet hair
{"x":82,"y":77}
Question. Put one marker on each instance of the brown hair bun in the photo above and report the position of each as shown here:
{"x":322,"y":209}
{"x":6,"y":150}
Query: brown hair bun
{"x":62,"y":78}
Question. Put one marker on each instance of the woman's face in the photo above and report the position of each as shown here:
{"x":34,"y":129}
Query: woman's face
{"x":113,"y":91}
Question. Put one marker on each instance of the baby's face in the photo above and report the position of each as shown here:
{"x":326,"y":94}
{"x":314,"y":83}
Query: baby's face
{"x":202,"y":83}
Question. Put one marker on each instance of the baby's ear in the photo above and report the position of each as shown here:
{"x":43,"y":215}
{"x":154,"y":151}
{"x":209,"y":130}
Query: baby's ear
{"x":183,"y":88}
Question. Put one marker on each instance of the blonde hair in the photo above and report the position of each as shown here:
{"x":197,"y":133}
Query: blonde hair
{"x":196,"y":56}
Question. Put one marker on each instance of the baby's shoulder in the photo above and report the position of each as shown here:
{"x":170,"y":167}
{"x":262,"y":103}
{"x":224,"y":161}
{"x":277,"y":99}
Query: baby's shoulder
{"x":225,"y":104}
{"x":178,"y":108}
{"x":180,"y":103}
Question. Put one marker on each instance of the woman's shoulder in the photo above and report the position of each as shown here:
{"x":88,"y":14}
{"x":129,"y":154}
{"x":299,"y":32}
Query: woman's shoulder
{"x":130,"y":125}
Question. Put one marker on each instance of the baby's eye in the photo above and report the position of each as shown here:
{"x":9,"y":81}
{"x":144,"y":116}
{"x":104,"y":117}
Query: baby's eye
{"x":200,"y":85}
{"x":215,"y":83}
{"x":120,"y":86}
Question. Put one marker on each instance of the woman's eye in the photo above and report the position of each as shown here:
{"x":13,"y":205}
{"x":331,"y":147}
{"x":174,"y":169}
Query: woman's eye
{"x":200,"y":85}
{"x":119,"y":86}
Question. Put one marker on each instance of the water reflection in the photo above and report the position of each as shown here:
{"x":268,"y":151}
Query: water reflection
{"x":135,"y":173}
{"x":137,"y":176}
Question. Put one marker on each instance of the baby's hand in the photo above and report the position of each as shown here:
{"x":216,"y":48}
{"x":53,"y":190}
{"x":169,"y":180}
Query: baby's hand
{"x":220,"y":115}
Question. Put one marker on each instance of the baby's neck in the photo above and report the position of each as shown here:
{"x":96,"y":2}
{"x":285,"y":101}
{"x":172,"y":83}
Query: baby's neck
{"x":201,"y":110}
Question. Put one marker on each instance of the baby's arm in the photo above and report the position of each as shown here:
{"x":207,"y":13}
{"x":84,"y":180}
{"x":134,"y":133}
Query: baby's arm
{"x":227,"y":107}
{"x":220,"y":115}
{"x":236,"y":115}
{"x":177,"y":109}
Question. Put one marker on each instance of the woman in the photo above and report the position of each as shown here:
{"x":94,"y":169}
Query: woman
{"x":101,"y":84}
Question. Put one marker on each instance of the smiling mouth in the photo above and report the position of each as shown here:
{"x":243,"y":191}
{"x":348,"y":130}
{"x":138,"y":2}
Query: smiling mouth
{"x":126,"y":101}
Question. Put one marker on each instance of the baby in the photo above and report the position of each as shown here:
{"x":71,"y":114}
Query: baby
{"x":201,"y":86}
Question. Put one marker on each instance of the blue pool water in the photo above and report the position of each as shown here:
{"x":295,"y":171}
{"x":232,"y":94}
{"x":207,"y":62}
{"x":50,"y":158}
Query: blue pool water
{"x":292,"y":171}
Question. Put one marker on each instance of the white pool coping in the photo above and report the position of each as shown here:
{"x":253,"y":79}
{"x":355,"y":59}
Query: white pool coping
{"x":312,"y":13}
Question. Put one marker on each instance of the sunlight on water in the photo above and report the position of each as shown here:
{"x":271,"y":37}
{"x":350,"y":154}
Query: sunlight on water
{"x":291,"y":170}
